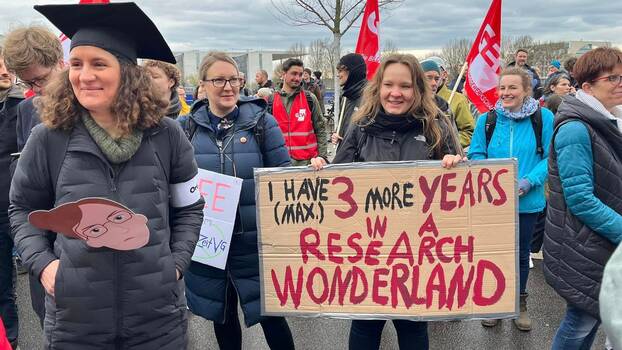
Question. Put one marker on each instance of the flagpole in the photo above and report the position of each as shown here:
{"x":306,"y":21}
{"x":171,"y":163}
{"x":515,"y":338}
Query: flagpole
{"x":453,"y":91}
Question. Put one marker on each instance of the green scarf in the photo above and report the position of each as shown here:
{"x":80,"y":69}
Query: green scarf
{"x":117,"y":151}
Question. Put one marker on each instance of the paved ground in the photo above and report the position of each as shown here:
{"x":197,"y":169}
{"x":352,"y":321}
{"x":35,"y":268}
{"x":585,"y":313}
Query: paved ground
{"x":545,"y":306}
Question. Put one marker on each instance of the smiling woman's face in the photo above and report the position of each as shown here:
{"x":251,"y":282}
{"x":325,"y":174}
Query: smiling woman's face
{"x":95,"y":76}
{"x":222,"y":100}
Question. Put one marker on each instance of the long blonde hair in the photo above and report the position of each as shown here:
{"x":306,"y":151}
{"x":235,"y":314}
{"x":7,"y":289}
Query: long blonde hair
{"x":423,"y":108}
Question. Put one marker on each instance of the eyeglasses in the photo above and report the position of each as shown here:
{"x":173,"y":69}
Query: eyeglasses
{"x":97,"y":230}
{"x":613,"y":79}
{"x":38,"y":82}
{"x":221,"y":82}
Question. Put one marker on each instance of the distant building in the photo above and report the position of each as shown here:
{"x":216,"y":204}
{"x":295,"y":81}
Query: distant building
{"x":578,"y":48}
{"x":248,"y":62}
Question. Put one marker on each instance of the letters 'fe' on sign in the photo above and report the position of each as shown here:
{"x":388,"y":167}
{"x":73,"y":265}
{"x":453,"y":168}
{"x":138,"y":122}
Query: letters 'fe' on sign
{"x":221,"y":194}
{"x":389,"y":240}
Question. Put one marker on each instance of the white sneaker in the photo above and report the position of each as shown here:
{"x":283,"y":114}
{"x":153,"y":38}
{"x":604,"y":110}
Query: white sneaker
{"x":530,"y":262}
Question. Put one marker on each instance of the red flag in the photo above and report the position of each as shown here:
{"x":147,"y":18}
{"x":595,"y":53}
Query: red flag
{"x":368,"y":44}
{"x":484,"y":61}
{"x":64,"y":40}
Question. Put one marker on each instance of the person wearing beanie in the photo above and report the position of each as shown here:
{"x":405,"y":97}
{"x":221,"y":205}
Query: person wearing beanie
{"x":459,"y":109}
{"x":554,"y":68}
{"x":352,"y":73}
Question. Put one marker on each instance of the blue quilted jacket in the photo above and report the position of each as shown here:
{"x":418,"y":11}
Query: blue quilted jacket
{"x":238,"y":154}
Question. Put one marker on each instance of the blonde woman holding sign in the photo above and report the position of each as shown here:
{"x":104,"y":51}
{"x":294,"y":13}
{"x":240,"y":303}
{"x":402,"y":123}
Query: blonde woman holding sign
{"x":398,"y":120}
{"x":232,"y":137}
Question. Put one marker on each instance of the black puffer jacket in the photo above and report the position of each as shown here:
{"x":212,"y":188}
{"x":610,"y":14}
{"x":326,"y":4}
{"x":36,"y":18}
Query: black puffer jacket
{"x":574,"y":255}
{"x":8,"y":145}
{"x":104,"y":298}
{"x":392,"y":138}
{"x":350,"y":102}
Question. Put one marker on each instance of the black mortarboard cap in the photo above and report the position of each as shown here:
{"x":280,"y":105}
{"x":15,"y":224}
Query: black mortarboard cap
{"x":122,"y":29}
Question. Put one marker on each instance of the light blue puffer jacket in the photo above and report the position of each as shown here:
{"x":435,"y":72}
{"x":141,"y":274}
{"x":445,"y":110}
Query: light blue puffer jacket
{"x":516,"y":139}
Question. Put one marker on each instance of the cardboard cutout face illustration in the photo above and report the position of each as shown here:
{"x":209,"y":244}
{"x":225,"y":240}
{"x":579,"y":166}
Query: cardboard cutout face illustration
{"x":98,"y":221}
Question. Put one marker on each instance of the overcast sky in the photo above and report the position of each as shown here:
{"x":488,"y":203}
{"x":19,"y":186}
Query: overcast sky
{"x":416,"y":24}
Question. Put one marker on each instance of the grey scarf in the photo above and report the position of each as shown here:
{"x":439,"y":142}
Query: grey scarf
{"x":174,"y":106}
{"x":117,"y":151}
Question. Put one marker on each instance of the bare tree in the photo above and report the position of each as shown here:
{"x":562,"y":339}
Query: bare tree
{"x":540,"y":53}
{"x":338,"y":16}
{"x":317,"y":53}
{"x":510,"y":44}
{"x":454,"y":53}
{"x":389,"y":48}
{"x":297,"y":50}
{"x":432,"y":54}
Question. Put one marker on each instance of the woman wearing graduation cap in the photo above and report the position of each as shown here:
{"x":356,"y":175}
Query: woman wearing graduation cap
{"x":104,"y":136}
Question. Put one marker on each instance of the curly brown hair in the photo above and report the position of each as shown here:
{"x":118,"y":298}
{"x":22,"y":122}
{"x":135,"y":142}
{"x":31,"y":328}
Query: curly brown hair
{"x":424,"y":107}
{"x":170,"y":70}
{"x":135,"y":107}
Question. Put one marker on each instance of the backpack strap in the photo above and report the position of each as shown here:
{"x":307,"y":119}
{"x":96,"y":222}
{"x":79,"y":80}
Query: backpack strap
{"x":271,"y":103}
{"x":190,"y":128}
{"x":536,"y":123}
{"x":359,"y":144}
{"x":58,"y":141}
{"x":491,"y":123}
{"x":161,"y":147}
{"x":309,"y":101}
{"x":260,"y":131}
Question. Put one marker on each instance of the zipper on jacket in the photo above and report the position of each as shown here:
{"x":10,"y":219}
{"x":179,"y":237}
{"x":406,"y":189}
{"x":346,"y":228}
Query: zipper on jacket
{"x":511,"y":138}
{"x":221,"y":153}
{"x":393,"y":137}
{"x":113,"y":179}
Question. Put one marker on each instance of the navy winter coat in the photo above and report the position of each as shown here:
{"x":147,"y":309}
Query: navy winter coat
{"x":240,"y":154}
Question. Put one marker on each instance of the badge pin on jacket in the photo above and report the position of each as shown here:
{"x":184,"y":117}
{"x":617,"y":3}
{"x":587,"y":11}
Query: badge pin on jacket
{"x":100,"y":222}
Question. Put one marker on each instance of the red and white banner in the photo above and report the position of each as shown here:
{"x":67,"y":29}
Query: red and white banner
{"x":368,"y":44}
{"x":65,"y":41}
{"x":484,"y":61}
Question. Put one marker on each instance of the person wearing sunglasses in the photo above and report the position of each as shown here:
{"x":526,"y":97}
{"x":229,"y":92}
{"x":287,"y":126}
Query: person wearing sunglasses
{"x":584,"y":216}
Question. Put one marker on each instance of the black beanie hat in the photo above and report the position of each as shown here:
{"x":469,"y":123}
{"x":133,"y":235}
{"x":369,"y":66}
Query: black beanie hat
{"x":357,"y":70}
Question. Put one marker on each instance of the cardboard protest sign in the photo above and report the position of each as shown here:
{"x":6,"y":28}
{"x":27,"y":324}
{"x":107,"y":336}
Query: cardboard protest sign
{"x":221,"y":194}
{"x":389,"y":240}
{"x":100,"y":222}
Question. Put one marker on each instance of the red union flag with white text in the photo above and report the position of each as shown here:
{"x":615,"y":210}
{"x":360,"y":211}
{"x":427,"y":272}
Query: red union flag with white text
{"x":484,"y":61}
{"x":368,"y":44}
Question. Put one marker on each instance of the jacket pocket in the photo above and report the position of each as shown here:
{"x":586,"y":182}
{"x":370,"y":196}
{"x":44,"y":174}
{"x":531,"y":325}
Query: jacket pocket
{"x":58,"y":285}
